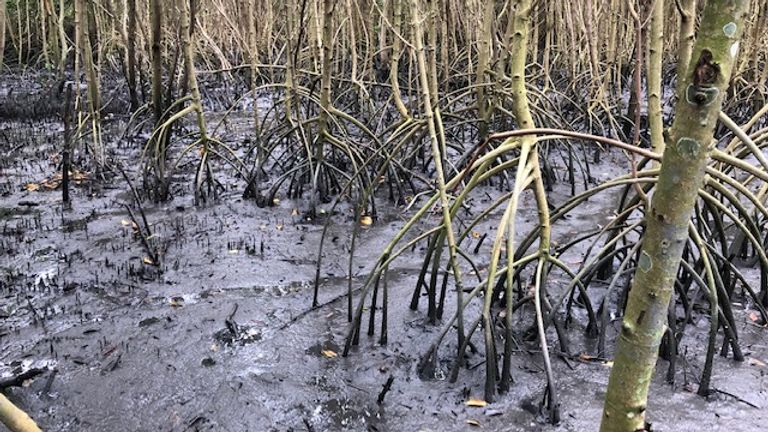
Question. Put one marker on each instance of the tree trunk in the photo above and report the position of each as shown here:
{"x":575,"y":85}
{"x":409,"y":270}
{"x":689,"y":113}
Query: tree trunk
{"x":2,"y":32}
{"x":655,"y":88}
{"x":131,"y":53}
{"x":63,"y":45}
{"x":484,"y":50}
{"x":156,"y":12}
{"x":689,"y":143}
{"x":687,"y":9}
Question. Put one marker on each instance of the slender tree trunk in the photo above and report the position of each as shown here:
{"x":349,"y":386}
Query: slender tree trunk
{"x":689,"y":143}
{"x":289,"y":7}
{"x":484,"y":40}
{"x":43,"y":16}
{"x":131,"y":53}
{"x":253,"y":54}
{"x":87,"y":55}
{"x":2,"y":32}
{"x":83,"y":46}
{"x":156,"y":13}
{"x":417,"y":16}
{"x":394,"y":65}
{"x":655,"y":89}
{"x":687,"y":9}
{"x":187,"y":19}
{"x":63,"y":44}
{"x":325,"y":102}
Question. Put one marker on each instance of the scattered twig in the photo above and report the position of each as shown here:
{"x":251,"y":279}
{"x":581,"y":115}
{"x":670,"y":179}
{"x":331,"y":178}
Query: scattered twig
{"x":385,"y":389}
{"x":723,"y":392}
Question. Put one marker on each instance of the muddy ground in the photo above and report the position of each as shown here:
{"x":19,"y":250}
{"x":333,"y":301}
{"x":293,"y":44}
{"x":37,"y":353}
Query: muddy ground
{"x":127,"y":347}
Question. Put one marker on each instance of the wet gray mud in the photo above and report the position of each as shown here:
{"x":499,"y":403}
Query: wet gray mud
{"x":224,"y":338}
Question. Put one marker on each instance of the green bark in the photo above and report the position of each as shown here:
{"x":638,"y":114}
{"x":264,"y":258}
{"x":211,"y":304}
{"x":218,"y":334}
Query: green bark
{"x":655,"y":52}
{"x":485,"y":35}
{"x":689,"y":143}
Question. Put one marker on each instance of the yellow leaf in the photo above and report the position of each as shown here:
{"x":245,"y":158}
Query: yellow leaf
{"x":148,"y":260}
{"x":366,"y":220}
{"x":31,"y":187}
{"x":276,"y":201}
{"x":475,"y":234}
{"x":329,"y":353}
{"x":476,"y":403}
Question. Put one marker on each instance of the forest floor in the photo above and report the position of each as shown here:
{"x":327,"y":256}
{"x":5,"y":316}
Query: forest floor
{"x":224,"y":338}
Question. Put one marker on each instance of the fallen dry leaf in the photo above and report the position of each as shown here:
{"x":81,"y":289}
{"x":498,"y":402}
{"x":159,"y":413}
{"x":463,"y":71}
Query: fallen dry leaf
{"x":329,"y":353}
{"x":148,"y":260}
{"x":32,"y":187}
{"x":366,"y":220}
{"x":755,"y":362}
{"x":476,"y":403}
{"x":473,"y":422}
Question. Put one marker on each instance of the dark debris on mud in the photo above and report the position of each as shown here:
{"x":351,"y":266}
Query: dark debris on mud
{"x":222,"y":336}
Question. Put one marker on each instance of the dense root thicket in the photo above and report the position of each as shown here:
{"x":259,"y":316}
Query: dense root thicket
{"x":431,"y":104}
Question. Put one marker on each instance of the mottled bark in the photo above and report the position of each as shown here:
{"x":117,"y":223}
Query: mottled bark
{"x":689,"y":143}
